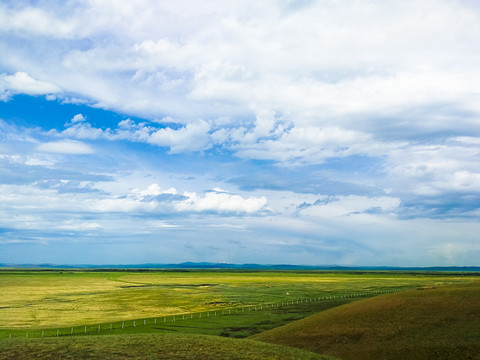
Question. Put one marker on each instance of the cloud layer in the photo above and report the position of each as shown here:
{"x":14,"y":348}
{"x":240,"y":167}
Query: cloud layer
{"x":320,"y":117}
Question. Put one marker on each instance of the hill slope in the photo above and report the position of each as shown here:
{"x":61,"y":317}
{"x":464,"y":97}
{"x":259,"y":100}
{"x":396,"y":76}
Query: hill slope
{"x":435,"y":323}
{"x":148,"y":346}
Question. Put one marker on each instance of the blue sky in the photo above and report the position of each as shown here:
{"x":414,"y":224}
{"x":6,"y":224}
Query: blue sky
{"x":279,"y":131}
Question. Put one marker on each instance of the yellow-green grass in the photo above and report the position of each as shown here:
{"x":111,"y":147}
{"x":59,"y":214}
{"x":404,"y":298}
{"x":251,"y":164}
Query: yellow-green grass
{"x":149,"y":346}
{"x":434,"y":323}
{"x":48,"y":299}
{"x":237,"y":323}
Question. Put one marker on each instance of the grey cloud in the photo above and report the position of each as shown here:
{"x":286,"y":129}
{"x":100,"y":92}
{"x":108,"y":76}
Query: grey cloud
{"x":446,"y":206}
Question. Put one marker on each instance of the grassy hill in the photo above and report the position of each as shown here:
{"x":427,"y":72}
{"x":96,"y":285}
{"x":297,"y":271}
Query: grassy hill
{"x":433,"y":323}
{"x":149,"y":346}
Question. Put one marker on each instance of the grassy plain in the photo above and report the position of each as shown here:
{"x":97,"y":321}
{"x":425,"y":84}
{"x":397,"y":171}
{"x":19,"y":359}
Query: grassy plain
{"x":434,"y":323}
{"x":49,"y":299}
{"x":156,"y":314}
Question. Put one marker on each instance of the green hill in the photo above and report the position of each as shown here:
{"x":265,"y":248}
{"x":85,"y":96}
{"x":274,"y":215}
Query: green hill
{"x":433,"y":323}
{"x":148,"y":346}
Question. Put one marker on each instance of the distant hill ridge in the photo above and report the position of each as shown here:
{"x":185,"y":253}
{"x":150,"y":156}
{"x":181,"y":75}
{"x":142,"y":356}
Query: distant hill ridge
{"x":227,"y":266}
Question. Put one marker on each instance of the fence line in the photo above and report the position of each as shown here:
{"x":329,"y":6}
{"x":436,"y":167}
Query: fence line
{"x":197,"y":315}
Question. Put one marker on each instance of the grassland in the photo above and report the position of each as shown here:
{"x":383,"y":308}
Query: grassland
{"x":165,"y":312}
{"x":434,"y":323}
{"x":46,"y":299}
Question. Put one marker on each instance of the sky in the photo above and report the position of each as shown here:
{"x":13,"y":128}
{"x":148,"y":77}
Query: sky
{"x":275,"y":132}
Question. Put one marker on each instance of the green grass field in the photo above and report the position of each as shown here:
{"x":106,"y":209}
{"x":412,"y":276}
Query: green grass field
{"x":71,"y":308}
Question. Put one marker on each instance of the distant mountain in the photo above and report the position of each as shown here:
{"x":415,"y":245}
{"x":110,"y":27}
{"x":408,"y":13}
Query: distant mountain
{"x":227,"y":266}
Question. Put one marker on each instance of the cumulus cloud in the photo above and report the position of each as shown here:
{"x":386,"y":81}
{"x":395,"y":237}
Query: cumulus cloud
{"x":76,"y":119}
{"x":85,"y":130}
{"x":221,"y":202}
{"x":271,"y":141}
{"x":192,"y":137}
{"x":155,"y":199}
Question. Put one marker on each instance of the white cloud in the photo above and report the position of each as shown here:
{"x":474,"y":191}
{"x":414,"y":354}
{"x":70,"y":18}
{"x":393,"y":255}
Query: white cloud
{"x":269,"y":139}
{"x":435,"y":169}
{"x":78,"y":118}
{"x":221,"y":202}
{"x":84,"y":130}
{"x":301,"y":145}
{"x":39,"y":160}
{"x":292,"y":84}
{"x":22,"y":83}
{"x":323,"y":57}
{"x":281,"y":77}
{"x":68,"y":147}
{"x":36,"y":21}
{"x":154,"y":190}
{"x":155,"y":199}
{"x":192,"y":137}
{"x":162,"y":225}
{"x":78,"y":225}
